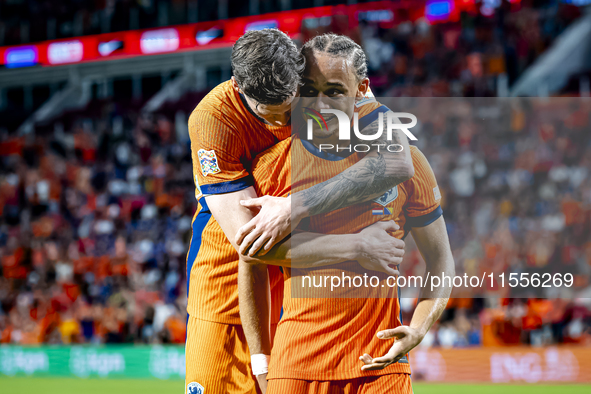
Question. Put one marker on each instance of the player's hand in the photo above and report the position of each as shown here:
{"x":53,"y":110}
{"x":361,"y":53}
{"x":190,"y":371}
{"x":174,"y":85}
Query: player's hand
{"x":262,"y":381}
{"x":269,"y":226}
{"x":405,"y":339}
{"x":378,"y":250}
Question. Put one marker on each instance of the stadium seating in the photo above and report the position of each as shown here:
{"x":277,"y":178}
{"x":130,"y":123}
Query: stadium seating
{"x":96,"y":204}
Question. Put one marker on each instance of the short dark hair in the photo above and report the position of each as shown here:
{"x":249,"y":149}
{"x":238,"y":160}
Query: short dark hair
{"x":339,"y":46}
{"x":267,"y":65}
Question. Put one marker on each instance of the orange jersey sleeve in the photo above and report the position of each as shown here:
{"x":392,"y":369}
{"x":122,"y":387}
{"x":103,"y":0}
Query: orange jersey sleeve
{"x":225,"y":137}
{"x":423,"y":202}
{"x":216,"y":153}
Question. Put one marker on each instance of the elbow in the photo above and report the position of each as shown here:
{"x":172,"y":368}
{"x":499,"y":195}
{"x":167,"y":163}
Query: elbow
{"x":451,"y":267}
{"x":255,"y":260}
{"x":399,"y":167}
{"x":249,"y":260}
{"x":404,"y":171}
{"x":409,"y":170}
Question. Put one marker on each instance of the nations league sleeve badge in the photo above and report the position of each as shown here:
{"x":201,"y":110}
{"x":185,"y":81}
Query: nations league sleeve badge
{"x":208,"y":162}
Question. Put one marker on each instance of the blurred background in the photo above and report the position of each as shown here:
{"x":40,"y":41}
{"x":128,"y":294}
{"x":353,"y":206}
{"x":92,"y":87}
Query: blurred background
{"x":97,"y":195}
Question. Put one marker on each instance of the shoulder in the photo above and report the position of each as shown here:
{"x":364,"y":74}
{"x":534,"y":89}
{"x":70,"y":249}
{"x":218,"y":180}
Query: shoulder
{"x":218,"y":96}
{"x":215,"y":102}
{"x":418,"y":157}
{"x":216,"y":110}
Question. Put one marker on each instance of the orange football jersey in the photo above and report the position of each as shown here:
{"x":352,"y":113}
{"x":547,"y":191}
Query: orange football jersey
{"x":322,"y":333}
{"x":225,"y":138}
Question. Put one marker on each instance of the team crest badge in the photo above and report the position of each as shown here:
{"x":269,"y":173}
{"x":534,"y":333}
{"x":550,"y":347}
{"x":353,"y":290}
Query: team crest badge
{"x":387,"y":197}
{"x":195,"y":388}
{"x":208,"y":161}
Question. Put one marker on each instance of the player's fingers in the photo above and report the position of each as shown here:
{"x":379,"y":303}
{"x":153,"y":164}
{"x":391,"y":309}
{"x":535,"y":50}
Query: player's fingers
{"x":248,"y":240}
{"x":269,"y":244}
{"x":395,"y":260}
{"x":258,"y":244}
{"x":391,"y":357}
{"x":391,"y":271}
{"x":397,"y":252}
{"x":387,"y":225}
{"x":253,"y":202}
{"x":374,"y":366}
{"x":397,"y":332}
{"x":398,"y":243}
{"x":390,"y":225}
{"x":386,"y":360}
{"x":366,"y":358}
{"x":244,"y":230}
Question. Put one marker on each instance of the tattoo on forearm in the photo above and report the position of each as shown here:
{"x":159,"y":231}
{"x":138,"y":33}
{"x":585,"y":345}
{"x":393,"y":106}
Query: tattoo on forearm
{"x":356,"y":184}
{"x":368,"y":179}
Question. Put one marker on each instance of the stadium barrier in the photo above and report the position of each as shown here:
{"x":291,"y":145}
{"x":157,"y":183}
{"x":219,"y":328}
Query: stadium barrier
{"x":485,"y":365}
{"x":502,"y":365}
{"x":141,"y":362}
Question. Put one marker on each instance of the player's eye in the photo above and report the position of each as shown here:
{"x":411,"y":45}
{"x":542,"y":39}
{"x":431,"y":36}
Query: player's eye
{"x":334,"y":92}
{"x":307,"y":91}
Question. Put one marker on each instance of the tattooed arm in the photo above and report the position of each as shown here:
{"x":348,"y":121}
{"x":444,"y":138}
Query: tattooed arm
{"x":379,"y":171}
{"x":375,"y":174}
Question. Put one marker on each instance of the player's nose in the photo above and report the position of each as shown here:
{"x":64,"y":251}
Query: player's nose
{"x":322,"y":102}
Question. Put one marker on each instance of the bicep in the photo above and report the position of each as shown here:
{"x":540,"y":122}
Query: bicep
{"x":217,"y":152}
{"x":228,"y":212}
{"x":433,"y":242}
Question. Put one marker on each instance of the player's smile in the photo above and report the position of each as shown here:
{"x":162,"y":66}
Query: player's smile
{"x":329,"y":83}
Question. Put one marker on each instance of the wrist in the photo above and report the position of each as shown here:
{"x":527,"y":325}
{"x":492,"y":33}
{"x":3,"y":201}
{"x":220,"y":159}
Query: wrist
{"x":420,"y":331}
{"x":357,"y":246}
{"x":298,"y":211}
{"x":260,"y":364}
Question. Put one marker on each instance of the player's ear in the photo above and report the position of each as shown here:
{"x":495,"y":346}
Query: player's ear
{"x":235,"y":84}
{"x":362,"y":88}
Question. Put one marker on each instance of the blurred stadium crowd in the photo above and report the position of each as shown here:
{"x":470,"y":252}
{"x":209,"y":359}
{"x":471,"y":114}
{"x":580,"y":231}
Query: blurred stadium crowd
{"x":97,"y":221}
{"x":516,"y":197}
{"x":96,"y":206}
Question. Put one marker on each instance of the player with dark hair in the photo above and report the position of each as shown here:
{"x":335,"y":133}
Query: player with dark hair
{"x":325,"y":338}
{"x":267,"y":69}
{"x":371,"y":176}
{"x":235,"y":122}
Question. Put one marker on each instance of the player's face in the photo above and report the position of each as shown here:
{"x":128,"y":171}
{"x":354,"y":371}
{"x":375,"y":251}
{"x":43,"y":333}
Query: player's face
{"x":275,"y":115}
{"x":330,"y":83}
